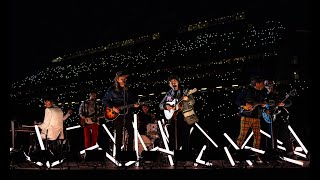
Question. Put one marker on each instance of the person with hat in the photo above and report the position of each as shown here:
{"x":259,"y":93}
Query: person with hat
{"x":177,"y":106}
{"x":280,"y":119}
{"x":120,"y":102}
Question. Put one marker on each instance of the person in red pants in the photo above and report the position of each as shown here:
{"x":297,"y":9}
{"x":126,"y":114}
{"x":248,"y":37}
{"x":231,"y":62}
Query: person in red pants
{"x":90,"y":113}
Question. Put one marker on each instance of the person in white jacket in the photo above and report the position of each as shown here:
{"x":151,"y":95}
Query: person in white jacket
{"x":52,"y":125}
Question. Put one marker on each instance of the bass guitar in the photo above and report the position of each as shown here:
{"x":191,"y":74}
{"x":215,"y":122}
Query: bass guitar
{"x":175,"y":104}
{"x":111,"y":115}
{"x":276,"y":110}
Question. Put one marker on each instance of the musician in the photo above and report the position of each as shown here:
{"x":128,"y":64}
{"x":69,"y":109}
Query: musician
{"x":280,"y":118}
{"x":52,"y":125}
{"x":251,"y":100}
{"x":121,"y":102}
{"x":145,"y":118}
{"x":90,"y":113}
{"x":179,"y":128}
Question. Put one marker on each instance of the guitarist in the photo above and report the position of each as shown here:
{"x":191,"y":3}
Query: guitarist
{"x":253,"y":94}
{"x":179,"y":129}
{"x":118,"y":95}
{"x":89,"y":112}
{"x":280,"y":118}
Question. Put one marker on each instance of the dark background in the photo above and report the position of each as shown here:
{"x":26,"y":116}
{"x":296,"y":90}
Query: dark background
{"x":40,"y":31}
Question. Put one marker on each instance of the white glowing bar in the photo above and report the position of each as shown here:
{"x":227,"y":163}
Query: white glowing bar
{"x":114,"y":145}
{"x":266,"y":134}
{"x":162,"y":121}
{"x":279,"y":142}
{"x":163,"y":135}
{"x":298,"y":149}
{"x":206,"y":135}
{"x":39,"y":137}
{"x":129,"y":163}
{"x":167,"y":133}
{"x":39,"y":163}
{"x":229,"y":156}
{"x":300,"y":154}
{"x":27,"y":157}
{"x":89,"y":148}
{"x":141,"y":141}
{"x":231,"y":141}
{"x":246,"y":141}
{"x":255,"y":149}
{"x":48,"y":164}
{"x":201,"y":152}
{"x":281,"y":147}
{"x":135,"y":125}
{"x":165,"y":143}
{"x":109,"y":133}
{"x":57,"y":162}
{"x":155,"y":149}
{"x":165,"y":151}
{"x":191,"y":129}
{"x":249,"y":162}
{"x":293,"y":161}
{"x":297,"y":138}
{"x":201,"y":161}
{"x":73,"y":127}
{"x":112,"y":159}
{"x":11,"y":149}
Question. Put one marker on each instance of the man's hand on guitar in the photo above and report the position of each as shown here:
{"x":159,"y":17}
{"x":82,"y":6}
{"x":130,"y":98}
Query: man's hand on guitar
{"x":185,"y":98}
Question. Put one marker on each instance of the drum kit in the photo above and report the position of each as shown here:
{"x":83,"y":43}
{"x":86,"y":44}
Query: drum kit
{"x":149,"y":139}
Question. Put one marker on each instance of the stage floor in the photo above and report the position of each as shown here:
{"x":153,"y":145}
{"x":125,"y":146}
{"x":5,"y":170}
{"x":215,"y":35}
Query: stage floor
{"x":215,"y":168}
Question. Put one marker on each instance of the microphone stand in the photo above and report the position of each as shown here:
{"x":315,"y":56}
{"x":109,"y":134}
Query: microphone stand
{"x":124,"y":130}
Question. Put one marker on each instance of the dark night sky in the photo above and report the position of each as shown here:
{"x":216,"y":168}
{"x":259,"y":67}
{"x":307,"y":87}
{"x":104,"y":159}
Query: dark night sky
{"x":42,"y":30}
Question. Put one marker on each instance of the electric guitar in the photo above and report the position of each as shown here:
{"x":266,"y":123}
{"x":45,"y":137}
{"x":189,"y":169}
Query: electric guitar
{"x":111,"y":115}
{"x":276,"y":110}
{"x":94,"y":119}
{"x":248,"y":109}
{"x":175,"y":104}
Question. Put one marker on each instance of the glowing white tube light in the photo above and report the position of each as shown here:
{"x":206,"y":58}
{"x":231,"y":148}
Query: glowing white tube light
{"x":155,"y":148}
{"x":297,"y":138}
{"x":114,"y":145}
{"x":281,"y":147}
{"x":191,"y":129}
{"x":206,"y":135}
{"x":109,"y":133}
{"x":165,"y":143}
{"x":293,"y":161}
{"x":300,"y":154}
{"x":142,"y":143}
{"x":112,"y":159}
{"x":231,"y":141}
{"x":266,"y":134}
{"x":129,"y":163}
{"x":73,"y":127}
{"x":201,"y":152}
{"x":166,"y":151}
{"x":135,"y":125}
{"x":229,"y":156}
{"x":255,"y":149}
{"x":39,"y":137}
{"x":246,"y":141}
{"x":89,"y":148}
{"x":249,"y":162}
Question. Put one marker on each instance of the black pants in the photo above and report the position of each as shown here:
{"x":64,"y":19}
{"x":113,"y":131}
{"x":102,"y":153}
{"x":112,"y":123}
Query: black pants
{"x":124,"y":121}
{"x":281,"y":132}
{"x":179,"y":134}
